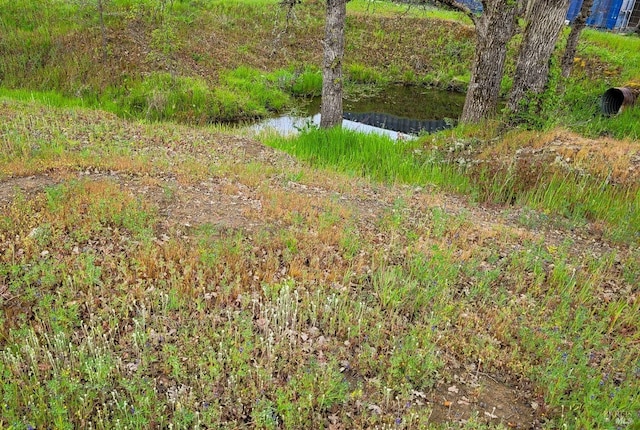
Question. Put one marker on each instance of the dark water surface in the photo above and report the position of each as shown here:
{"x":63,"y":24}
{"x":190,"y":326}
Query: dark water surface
{"x":396,"y":111}
{"x":406,"y":102}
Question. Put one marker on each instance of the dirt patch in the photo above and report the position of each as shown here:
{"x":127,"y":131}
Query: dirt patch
{"x":222,"y":202}
{"x":219,"y":202}
{"x":258,"y":188}
{"x":483,"y":398}
{"x":25,"y":186}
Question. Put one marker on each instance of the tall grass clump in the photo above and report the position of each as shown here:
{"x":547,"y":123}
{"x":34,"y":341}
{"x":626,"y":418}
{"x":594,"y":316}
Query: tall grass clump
{"x":573,"y":195}
{"x":369,"y":155}
{"x":255,"y":87}
{"x":301,"y":83}
{"x":586,"y":198}
{"x":243,"y":93}
{"x":362,"y":74}
{"x":307,"y":83}
{"x":162,"y":96}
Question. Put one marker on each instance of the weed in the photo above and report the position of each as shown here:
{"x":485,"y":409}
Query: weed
{"x":414,"y":360}
{"x":325,"y":386}
{"x":371,"y":156}
{"x":349,"y":295}
{"x":359,"y":73}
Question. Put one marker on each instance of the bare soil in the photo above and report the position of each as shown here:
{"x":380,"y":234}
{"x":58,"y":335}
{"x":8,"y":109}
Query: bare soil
{"x":236,"y":203}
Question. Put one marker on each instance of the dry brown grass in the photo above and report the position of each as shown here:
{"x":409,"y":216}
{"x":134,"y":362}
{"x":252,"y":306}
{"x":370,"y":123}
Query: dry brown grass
{"x":232,"y":280}
{"x":605,"y":158}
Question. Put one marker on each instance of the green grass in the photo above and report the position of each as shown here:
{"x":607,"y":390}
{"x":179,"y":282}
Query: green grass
{"x":355,"y":288}
{"x":586,"y":199}
{"x":603,"y":60}
{"x":243,"y":93}
{"x":391,"y":8}
{"x":369,"y":155}
{"x":47,"y":98}
{"x":574,"y":196}
{"x":347,"y":300}
{"x":615,"y":50}
{"x":361,"y":74}
{"x":566,"y":195}
{"x":579,"y":109}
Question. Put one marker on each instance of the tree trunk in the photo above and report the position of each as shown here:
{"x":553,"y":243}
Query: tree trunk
{"x":539,"y":41}
{"x":333,"y":44}
{"x":579,"y":23}
{"x":494,"y":28}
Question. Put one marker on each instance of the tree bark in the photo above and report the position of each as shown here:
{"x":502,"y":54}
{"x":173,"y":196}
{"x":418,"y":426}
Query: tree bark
{"x":539,"y":41}
{"x":333,"y":44}
{"x":579,"y":23}
{"x":494,"y":29}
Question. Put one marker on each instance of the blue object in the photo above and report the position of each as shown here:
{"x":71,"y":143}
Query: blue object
{"x":624,"y":16}
{"x":604,"y":14}
{"x":474,"y":5}
{"x":609,"y":14}
{"x":574,"y":9}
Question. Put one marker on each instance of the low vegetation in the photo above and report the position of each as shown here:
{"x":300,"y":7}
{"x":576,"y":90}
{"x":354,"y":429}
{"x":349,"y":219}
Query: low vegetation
{"x":158,"y":271}
{"x":200,"y":46}
{"x":187,"y":61}
{"x":294,"y":297}
{"x":552,"y":182}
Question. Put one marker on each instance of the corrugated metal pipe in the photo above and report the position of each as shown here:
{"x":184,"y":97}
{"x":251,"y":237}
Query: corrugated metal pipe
{"x":614,"y":100}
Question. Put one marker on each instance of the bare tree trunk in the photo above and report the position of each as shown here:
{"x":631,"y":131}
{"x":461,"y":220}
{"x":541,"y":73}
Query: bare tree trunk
{"x":579,"y":23}
{"x":494,"y":29}
{"x":539,"y":41}
{"x":333,"y":44}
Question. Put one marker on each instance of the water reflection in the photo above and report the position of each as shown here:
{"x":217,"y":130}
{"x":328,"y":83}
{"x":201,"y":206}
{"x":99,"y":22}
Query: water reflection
{"x":412,"y":102}
{"x":398,"y":112}
{"x":403,"y":125}
{"x":287,"y":125}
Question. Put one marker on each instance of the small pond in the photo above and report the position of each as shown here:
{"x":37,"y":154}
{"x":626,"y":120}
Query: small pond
{"x":396,"y":111}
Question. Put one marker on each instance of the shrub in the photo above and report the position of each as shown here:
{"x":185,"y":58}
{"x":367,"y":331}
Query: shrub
{"x":242,"y":94}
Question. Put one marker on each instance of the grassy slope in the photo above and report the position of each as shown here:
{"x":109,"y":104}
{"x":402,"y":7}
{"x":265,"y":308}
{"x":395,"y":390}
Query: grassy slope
{"x":57,"y":47}
{"x":288,"y":296}
{"x":174,"y":61}
{"x":126,"y":295}
{"x":204,"y":41}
